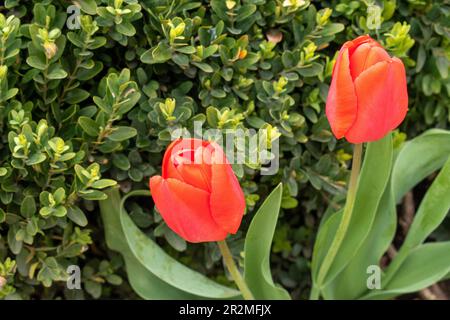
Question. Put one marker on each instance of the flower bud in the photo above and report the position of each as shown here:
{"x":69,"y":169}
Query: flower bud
{"x":50,"y":49}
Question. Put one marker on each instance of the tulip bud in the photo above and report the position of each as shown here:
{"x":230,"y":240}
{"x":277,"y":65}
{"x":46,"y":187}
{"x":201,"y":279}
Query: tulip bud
{"x":368,"y":95}
{"x":198,"y":195}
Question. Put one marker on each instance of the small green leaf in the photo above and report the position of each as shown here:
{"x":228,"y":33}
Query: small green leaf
{"x":28,"y":206}
{"x":126,"y":29}
{"x":75,"y":214}
{"x":88,"y":6}
{"x":36,"y":159}
{"x":2,"y":215}
{"x":92,"y":195}
{"x":203,"y":66}
{"x":103,"y":183}
{"x":3,"y":171}
{"x":36,"y":62}
{"x":89,"y":126}
{"x":56,"y":72}
{"x":76,"y":95}
{"x":121,"y":161}
{"x":159,"y":54}
{"x":122,"y":133}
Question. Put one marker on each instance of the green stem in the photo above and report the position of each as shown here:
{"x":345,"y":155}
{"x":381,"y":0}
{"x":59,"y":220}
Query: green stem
{"x":343,"y":225}
{"x":235,"y":274}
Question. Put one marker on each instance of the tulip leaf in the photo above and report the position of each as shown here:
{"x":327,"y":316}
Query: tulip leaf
{"x":418,"y":159}
{"x":372,"y":183}
{"x":424,"y":266}
{"x":325,"y":235}
{"x":430,"y":214}
{"x":424,"y":154}
{"x":257,"y":249}
{"x":152,"y":273}
{"x":370,"y":253}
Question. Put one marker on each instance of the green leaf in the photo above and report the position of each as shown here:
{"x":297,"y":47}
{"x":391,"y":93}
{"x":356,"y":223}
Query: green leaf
{"x":28,"y":206}
{"x":370,"y":253}
{"x":77,"y":215}
{"x":36,"y":62}
{"x":325,"y":236}
{"x":56,"y":72}
{"x":126,"y":29}
{"x":152,"y":273}
{"x":2,"y":215}
{"x":159,"y":54}
{"x":203,"y":66}
{"x":103,"y":183}
{"x":76,"y":95}
{"x":89,"y":126}
{"x":86,"y":74}
{"x":245,"y":11}
{"x":312,"y":70}
{"x":88,"y":6}
{"x":36,"y":159}
{"x":121,"y":161}
{"x":257,"y":249}
{"x":186,"y":50}
{"x":443,"y":65}
{"x":14,"y":245}
{"x":92,"y":195}
{"x":122,"y":133}
{"x":419,"y":158}
{"x":432,"y":210}
{"x":424,"y":266}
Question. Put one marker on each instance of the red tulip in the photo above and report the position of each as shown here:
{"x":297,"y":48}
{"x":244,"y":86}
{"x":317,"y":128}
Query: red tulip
{"x":198,"y":194}
{"x":368,"y":95}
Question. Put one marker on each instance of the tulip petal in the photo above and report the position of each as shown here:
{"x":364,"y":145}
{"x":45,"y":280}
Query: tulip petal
{"x":227,"y":199}
{"x":353,"y":44}
{"x":341,"y":104}
{"x":365,"y":56}
{"x":186,"y":210}
{"x":197,"y":175}
{"x":382,"y":101}
{"x":168,"y":168}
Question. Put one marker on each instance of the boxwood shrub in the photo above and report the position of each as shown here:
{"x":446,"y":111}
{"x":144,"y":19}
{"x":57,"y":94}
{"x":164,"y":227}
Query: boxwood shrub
{"x":91,"y":89}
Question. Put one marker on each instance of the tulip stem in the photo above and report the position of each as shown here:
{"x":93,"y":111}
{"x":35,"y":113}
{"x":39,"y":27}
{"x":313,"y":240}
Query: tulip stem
{"x":343,"y":225}
{"x":234,"y":272}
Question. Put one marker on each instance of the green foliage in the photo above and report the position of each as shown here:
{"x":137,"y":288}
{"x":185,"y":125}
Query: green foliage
{"x":84,"y":109}
{"x":410,"y":270}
